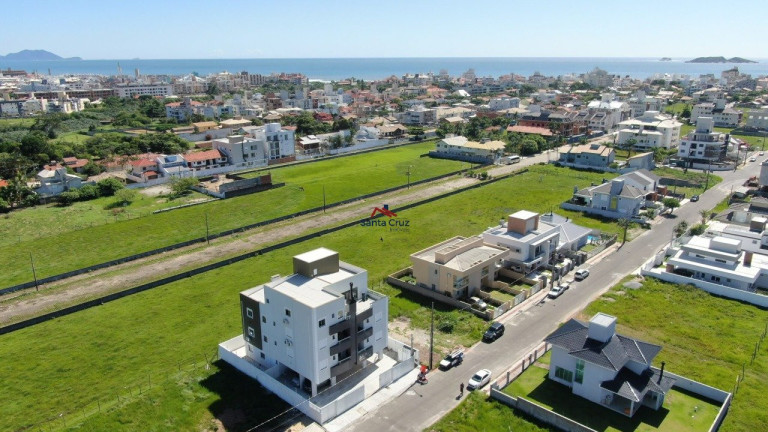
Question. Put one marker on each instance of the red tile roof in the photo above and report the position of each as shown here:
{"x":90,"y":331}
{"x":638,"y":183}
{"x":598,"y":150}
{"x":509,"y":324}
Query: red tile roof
{"x":143,"y":162}
{"x":202,"y":156}
{"x":3,"y":183}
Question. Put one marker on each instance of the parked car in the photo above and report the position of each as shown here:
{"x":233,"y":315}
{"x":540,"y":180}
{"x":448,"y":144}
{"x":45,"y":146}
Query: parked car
{"x":555,"y":292}
{"x":581,"y":274}
{"x":494,"y":332}
{"x":479,"y":379}
{"x":694,"y":198}
{"x":752,"y":159}
{"x":453,"y":359}
{"x":478,"y":303}
{"x":761,"y":154}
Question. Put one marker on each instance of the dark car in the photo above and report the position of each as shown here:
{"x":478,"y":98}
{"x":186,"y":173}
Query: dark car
{"x":494,"y":332}
{"x":453,"y":359}
{"x":694,"y":198}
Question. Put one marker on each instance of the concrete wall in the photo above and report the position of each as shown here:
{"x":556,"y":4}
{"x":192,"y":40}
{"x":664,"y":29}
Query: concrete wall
{"x":720,"y":290}
{"x":540,"y":413}
{"x":360,"y":146}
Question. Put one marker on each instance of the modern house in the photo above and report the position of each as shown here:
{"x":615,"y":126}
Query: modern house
{"x":241,"y":151}
{"x":721,"y":113}
{"x":615,"y":199}
{"x":639,"y":103}
{"x":460,"y":148}
{"x":757,"y":119}
{"x":719,"y":260}
{"x":607,"y":368}
{"x":531,"y":242}
{"x":650,"y":130}
{"x":704,"y":144}
{"x":457,"y":267}
{"x":588,"y":155}
{"x":330,"y":322}
{"x":53,"y":182}
{"x":607,"y":112}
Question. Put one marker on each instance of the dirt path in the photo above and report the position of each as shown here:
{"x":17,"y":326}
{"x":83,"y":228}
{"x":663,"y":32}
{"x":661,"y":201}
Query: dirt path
{"x":17,"y":306}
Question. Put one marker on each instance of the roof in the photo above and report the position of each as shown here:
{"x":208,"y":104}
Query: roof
{"x":628,"y":191}
{"x":592,"y":149}
{"x":573,"y":337}
{"x":634,"y":387}
{"x":205,"y":124}
{"x":643,"y":176}
{"x":143,"y":163}
{"x":203,"y":156}
{"x":530,"y":130}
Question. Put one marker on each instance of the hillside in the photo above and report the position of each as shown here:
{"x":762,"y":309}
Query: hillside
{"x":720,"y":60}
{"x":35,"y":55}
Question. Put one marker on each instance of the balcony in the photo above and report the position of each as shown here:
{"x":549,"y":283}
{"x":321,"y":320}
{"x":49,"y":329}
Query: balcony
{"x":364,"y":315}
{"x":340,"y":326}
{"x":364,"y":334}
{"x":364,"y":354}
{"x":343,"y":345}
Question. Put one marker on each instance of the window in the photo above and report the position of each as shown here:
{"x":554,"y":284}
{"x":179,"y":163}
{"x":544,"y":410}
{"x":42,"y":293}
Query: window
{"x":563,"y":374}
{"x":287,"y":312}
{"x":251,"y":332}
{"x":263,"y":356}
{"x":266,"y":339}
{"x":579,"y":371}
{"x":321,"y":323}
{"x":249,"y":312}
{"x":264,"y":319}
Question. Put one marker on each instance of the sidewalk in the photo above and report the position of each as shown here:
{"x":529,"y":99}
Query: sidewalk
{"x":381,"y":397}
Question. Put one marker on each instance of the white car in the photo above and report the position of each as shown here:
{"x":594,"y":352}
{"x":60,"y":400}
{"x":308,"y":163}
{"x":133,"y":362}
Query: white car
{"x":555,"y":292}
{"x":581,"y":274}
{"x":479,"y":379}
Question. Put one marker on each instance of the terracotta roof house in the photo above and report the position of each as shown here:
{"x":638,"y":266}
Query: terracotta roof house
{"x":205,"y":159}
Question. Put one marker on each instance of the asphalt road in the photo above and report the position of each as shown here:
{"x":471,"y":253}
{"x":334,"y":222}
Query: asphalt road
{"x":422,"y":405}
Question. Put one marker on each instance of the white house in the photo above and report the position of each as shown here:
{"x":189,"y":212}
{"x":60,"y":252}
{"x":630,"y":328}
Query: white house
{"x":588,"y":155}
{"x":640,"y":103}
{"x":503,"y":102}
{"x":56,"y":181}
{"x":531,"y":242}
{"x":607,"y":368}
{"x":703,"y":144}
{"x":721,"y":112}
{"x":460,"y":148}
{"x":615,"y":199}
{"x":607,"y":112}
{"x":757,"y":119}
{"x":241,"y":150}
{"x":650,"y":130}
{"x":720,"y":260}
{"x":316,"y":324}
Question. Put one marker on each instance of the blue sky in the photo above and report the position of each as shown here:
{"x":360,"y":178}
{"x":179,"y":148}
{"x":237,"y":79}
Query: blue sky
{"x":416,"y":28}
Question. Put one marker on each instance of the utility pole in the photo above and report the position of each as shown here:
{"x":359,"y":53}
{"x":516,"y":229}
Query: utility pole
{"x":432,"y":336}
{"x":207,"y":239}
{"x":706,"y":183}
{"x":323,"y":198}
{"x":409,"y":176}
{"x":34,"y":273}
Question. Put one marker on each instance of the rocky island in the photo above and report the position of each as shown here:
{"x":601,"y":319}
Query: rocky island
{"x":720,"y":60}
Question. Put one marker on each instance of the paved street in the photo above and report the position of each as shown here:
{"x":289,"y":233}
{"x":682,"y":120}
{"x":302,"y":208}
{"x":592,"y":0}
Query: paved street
{"x":421,"y":406}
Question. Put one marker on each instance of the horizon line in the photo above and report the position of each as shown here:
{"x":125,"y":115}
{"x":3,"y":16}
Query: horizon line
{"x":382,"y":58}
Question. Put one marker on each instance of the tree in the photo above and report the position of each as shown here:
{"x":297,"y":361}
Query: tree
{"x":671,"y":204}
{"x":529,"y":147}
{"x":629,"y":145}
{"x":125,"y":196}
{"x":182,"y":185}
{"x":704,"y":216}
{"x":625,"y":223}
{"x":109,"y":186}
{"x":17,"y":193}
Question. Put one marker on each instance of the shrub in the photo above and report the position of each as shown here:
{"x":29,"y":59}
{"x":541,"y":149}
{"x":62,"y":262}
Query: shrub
{"x":109,"y":186}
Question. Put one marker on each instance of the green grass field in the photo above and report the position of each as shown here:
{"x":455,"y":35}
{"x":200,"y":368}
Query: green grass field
{"x":703,"y":337}
{"x":15,"y":122}
{"x":681,"y":411}
{"x":480,"y":413}
{"x":103,"y":351}
{"x":82,"y":242}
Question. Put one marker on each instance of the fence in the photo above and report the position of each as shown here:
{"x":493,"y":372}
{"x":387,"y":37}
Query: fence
{"x":712,"y":288}
{"x":240,"y":229}
{"x":517,"y":369}
{"x":101,"y":300}
{"x":123,"y":395}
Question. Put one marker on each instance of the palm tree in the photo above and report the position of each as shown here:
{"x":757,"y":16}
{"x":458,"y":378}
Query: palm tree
{"x":625,"y":223}
{"x":704,"y":216}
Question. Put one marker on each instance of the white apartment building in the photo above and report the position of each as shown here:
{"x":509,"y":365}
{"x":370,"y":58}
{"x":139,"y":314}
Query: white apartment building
{"x":607,"y":112}
{"x":723,"y":114}
{"x":131,"y":90}
{"x":650,"y":130}
{"x":503,"y":102}
{"x":703,"y":144}
{"x":241,"y":150}
{"x":531,"y":241}
{"x":758,"y":119}
{"x":418,"y":115}
{"x":316,"y":324}
{"x":280,"y":142}
{"x":640,"y":103}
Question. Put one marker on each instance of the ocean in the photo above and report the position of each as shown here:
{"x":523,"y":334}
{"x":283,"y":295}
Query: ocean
{"x":380,"y":68}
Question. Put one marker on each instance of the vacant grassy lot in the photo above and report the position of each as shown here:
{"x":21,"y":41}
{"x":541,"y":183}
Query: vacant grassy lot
{"x":65,"y":249}
{"x":51,"y":220}
{"x":681,"y":411}
{"x":480,"y":413}
{"x":102,"y":351}
{"x":690,"y":176}
{"x":16,"y":122}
